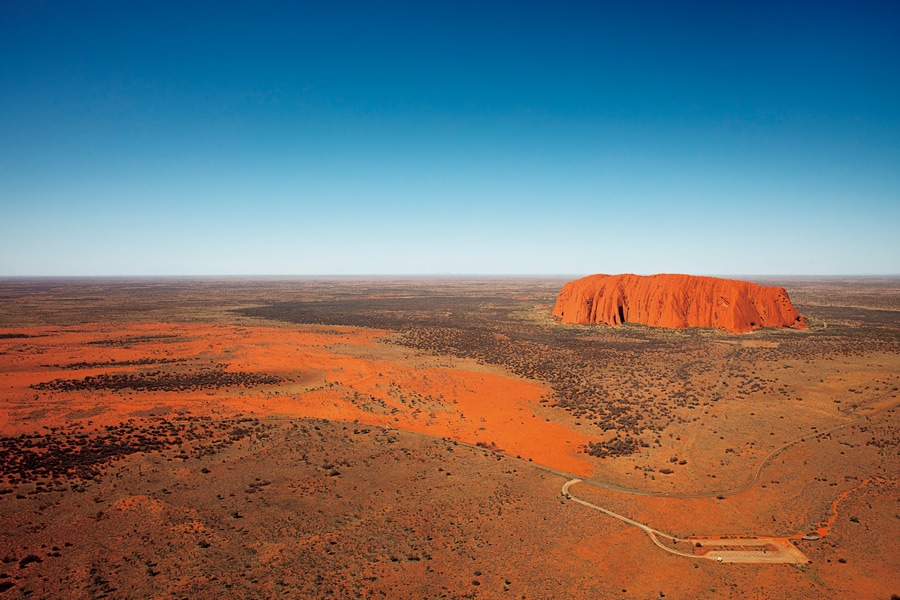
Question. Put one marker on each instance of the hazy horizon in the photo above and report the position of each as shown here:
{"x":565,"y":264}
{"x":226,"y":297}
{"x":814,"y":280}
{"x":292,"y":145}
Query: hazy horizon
{"x":438,"y":139}
{"x":440,"y":276}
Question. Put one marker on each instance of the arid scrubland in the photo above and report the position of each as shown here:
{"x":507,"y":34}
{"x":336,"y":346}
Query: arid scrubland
{"x":409,"y":438}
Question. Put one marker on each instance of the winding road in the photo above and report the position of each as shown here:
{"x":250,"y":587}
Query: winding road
{"x":731,"y":550}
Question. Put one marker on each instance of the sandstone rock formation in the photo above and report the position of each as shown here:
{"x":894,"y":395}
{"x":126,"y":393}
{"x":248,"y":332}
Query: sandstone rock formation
{"x":676,"y":302}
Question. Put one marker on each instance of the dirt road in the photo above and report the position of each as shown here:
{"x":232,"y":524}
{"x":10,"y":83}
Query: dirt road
{"x":731,"y":550}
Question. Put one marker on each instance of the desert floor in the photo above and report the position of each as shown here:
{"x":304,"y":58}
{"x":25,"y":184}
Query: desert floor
{"x":355,"y":438}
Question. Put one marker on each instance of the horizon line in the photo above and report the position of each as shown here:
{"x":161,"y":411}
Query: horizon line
{"x":434,"y":275}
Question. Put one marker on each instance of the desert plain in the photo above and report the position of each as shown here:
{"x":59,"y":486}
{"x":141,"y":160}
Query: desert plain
{"x":440,"y":438}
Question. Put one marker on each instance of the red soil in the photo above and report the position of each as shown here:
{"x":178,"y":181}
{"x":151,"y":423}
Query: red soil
{"x":823,"y":528}
{"x":331,"y":373}
{"x":676,"y":302}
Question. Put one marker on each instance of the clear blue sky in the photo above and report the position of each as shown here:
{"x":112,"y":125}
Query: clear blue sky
{"x":144,"y":138}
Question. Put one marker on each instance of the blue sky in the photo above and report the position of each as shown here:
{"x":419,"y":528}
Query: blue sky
{"x":217,"y":138}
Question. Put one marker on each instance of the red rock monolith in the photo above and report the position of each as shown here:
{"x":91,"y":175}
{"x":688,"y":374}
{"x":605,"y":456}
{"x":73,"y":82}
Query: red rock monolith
{"x":676,"y":302}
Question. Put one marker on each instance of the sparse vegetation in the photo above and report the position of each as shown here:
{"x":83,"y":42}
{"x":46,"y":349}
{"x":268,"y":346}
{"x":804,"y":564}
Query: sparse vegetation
{"x":189,"y":497}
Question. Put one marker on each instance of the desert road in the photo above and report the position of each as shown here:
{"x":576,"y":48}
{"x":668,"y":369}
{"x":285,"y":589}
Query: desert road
{"x":732,"y":550}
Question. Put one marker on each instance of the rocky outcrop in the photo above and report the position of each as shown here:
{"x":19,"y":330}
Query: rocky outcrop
{"x":676,"y":302}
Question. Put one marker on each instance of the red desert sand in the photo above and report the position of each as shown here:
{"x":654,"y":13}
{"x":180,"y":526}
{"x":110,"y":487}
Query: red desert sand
{"x":325,"y":376}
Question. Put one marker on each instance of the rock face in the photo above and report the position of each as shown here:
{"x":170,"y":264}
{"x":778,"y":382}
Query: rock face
{"x":676,"y":302}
